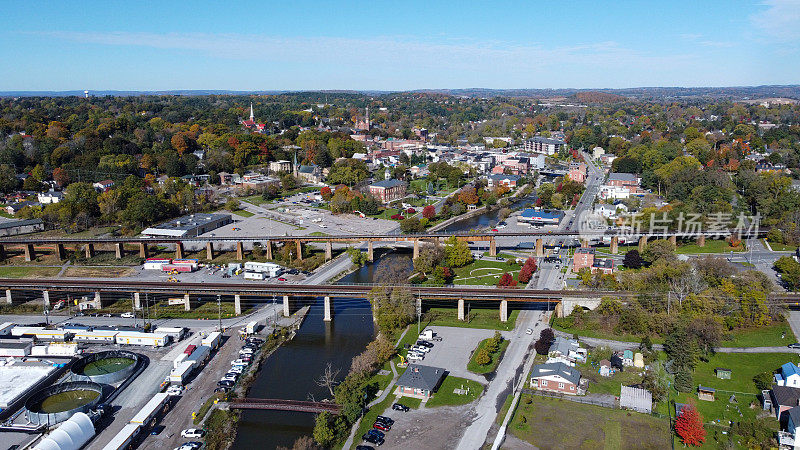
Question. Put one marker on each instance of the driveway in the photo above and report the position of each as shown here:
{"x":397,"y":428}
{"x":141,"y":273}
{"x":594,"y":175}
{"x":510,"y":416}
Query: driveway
{"x":453,"y":352}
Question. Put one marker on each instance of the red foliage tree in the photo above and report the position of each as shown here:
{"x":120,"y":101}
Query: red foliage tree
{"x":507,"y":280}
{"x":429,"y":212}
{"x":60,"y":176}
{"x":527,"y":270}
{"x":689,"y":426}
{"x":326,"y":193}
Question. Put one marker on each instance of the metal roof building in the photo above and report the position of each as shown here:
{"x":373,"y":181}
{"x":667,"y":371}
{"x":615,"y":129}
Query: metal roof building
{"x":191,"y":225}
{"x":70,"y":435}
{"x":636,"y":399}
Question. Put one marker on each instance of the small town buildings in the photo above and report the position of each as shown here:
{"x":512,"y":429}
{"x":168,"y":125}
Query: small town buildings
{"x":568,"y":351}
{"x":15,"y":227}
{"x":584,"y":258}
{"x":388,"y":190}
{"x":638,"y":360}
{"x":789,"y":375}
{"x":616,"y":361}
{"x":603,"y":265}
{"x":496,"y":180}
{"x":640,"y":400}
{"x":706,"y":393}
{"x":104,"y":185}
{"x":610,"y":211}
{"x":556,"y":377}
{"x":310,"y":174}
{"x":280,"y":166}
{"x":191,"y":225}
{"x":605,"y":368}
{"x":547,"y":146}
{"x":577,"y":172}
{"x":790,"y":437}
{"x":783,"y":398}
{"x":14,"y":208}
{"x":722,"y":373}
{"x":627,"y":358}
{"x":49,"y":197}
{"x":420,"y":381}
{"x":623,"y":180}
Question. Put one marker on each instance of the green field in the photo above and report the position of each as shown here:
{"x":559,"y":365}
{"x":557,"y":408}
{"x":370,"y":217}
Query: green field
{"x":552,"y":424}
{"x":476,"y":318}
{"x":28,"y":272}
{"x":782,"y":247}
{"x":484,"y":273}
{"x":712,"y":246}
{"x":472,"y":366}
{"x":242,"y":213}
{"x":445,"y":396}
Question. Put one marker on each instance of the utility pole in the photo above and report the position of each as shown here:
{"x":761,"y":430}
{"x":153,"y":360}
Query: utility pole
{"x":133,"y":310}
{"x":219,"y":311}
{"x":419,"y":312}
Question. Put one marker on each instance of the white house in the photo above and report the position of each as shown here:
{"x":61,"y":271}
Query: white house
{"x":788,"y":376}
{"x":46,"y":198}
{"x":567,"y":351}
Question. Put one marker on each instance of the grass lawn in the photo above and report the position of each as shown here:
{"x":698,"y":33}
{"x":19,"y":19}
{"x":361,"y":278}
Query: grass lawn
{"x":712,"y":246}
{"x":782,"y":247}
{"x":206,"y":310}
{"x":445,"y":396}
{"x":242,"y":213}
{"x":609,"y":385}
{"x":254,"y":199}
{"x":484,"y":273}
{"x":411,"y":402}
{"x":551,"y":423}
{"x":744,"y":366}
{"x":28,"y":272}
{"x":477,"y":318}
{"x":98,"y":272}
{"x":601,"y":334}
{"x":776,"y":335}
{"x":472,"y":366}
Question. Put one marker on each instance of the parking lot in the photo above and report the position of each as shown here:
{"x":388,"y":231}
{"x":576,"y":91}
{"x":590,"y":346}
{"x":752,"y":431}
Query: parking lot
{"x":452,"y":353}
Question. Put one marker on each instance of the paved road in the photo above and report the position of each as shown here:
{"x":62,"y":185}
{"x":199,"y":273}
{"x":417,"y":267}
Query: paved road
{"x":511,"y":367}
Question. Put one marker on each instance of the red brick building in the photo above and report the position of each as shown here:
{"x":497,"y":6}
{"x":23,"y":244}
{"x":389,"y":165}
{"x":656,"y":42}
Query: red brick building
{"x":388,"y":190}
{"x":584,"y":257}
{"x":556,"y":377}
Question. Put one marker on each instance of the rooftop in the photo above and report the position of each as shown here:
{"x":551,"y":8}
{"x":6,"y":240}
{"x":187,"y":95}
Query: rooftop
{"x":621,"y":176}
{"x":421,"y":377}
{"x":388,"y":183}
{"x":191,"y":221}
{"x":568,"y":373}
{"x":545,"y":140}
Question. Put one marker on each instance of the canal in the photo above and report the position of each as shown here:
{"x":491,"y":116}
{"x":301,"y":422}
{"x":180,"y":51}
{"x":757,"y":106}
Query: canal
{"x":489,"y":218}
{"x":291,"y":371}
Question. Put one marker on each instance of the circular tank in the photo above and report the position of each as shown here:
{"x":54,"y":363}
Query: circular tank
{"x":57,"y":403}
{"x":106,"y":367}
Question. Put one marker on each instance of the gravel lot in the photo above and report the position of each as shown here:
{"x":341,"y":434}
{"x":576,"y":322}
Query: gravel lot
{"x":428,"y":427}
{"x":455,"y":349}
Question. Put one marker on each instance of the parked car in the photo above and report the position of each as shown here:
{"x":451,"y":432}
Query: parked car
{"x":399,"y":407}
{"x":425,"y":344}
{"x":420,"y":348}
{"x":528,"y":331}
{"x":193,"y":433}
{"x":373,"y":439}
{"x":127,"y":315}
{"x":236,"y":369}
{"x":795,"y":345}
{"x":376,"y":433}
{"x":157,"y":430}
{"x":238,"y":362}
{"x":384,"y":419}
{"x":222,"y":389}
{"x":225,"y":383}
{"x":381,"y":426}
{"x":364,"y":447}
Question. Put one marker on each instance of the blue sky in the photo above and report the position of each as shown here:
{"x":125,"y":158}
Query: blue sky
{"x":395,"y":45}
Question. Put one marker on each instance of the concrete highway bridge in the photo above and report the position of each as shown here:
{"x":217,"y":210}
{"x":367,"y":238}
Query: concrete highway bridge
{"x":29,"y":246}
{"x":564,"y":300}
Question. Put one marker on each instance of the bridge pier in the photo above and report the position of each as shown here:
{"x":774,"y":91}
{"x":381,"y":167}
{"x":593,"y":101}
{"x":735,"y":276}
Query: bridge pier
{"x":30,"y":253}
{"x":237,"y":304}
{"x":98,"y":303}
{"x":642,"y":243}
{"x":285,"y":306}
{"x":269,"y":249}
{"x":492,"y":248}
{"x":673,"y":240}
{"x":8,"y":296}
{"x":239,"y":250}
{"x":119,"y":250}
{"x":614,"y":245}
{"x":370,"y":252}
{"x":701,"y":240}
{"x":503,"y":310}
{"x":61,"y":254}
{"x":187,"y":304}
{"x":142,"y":250}
{"x":137,"y":300}
{"x":328,"y":310}
{"x":416,"y":248}
{"x":179,"y":250}
{"x":209,"y":250}
{"x":568,"y":304}
{"x":539,"y":248}
{"x":89,"y":249}
{"x":328,"y":251}
{"x":461,"y":309}
{"x":584,"y":243}
{"x":46,"y":298}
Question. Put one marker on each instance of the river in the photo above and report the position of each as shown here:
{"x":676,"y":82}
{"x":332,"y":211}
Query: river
{"x":488,"y":218}
{"x":291,"y":371}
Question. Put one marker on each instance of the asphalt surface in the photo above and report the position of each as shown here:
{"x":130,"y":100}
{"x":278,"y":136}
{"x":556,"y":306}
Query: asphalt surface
{"x":455,"y":349}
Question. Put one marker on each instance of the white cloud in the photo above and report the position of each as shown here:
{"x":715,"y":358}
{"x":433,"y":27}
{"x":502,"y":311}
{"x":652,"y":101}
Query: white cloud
{"x":780,"y":21}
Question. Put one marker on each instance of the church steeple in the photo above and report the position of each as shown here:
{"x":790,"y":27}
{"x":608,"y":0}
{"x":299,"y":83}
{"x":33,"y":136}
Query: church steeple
{"x":252,"y":119}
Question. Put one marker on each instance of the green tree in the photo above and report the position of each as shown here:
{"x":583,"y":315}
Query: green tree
{"x":8,"y":178}
{"x":660,"y":249}
{"x":482,"y":357}
{"x":457,"y":253}
{"x":324,"y":432}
